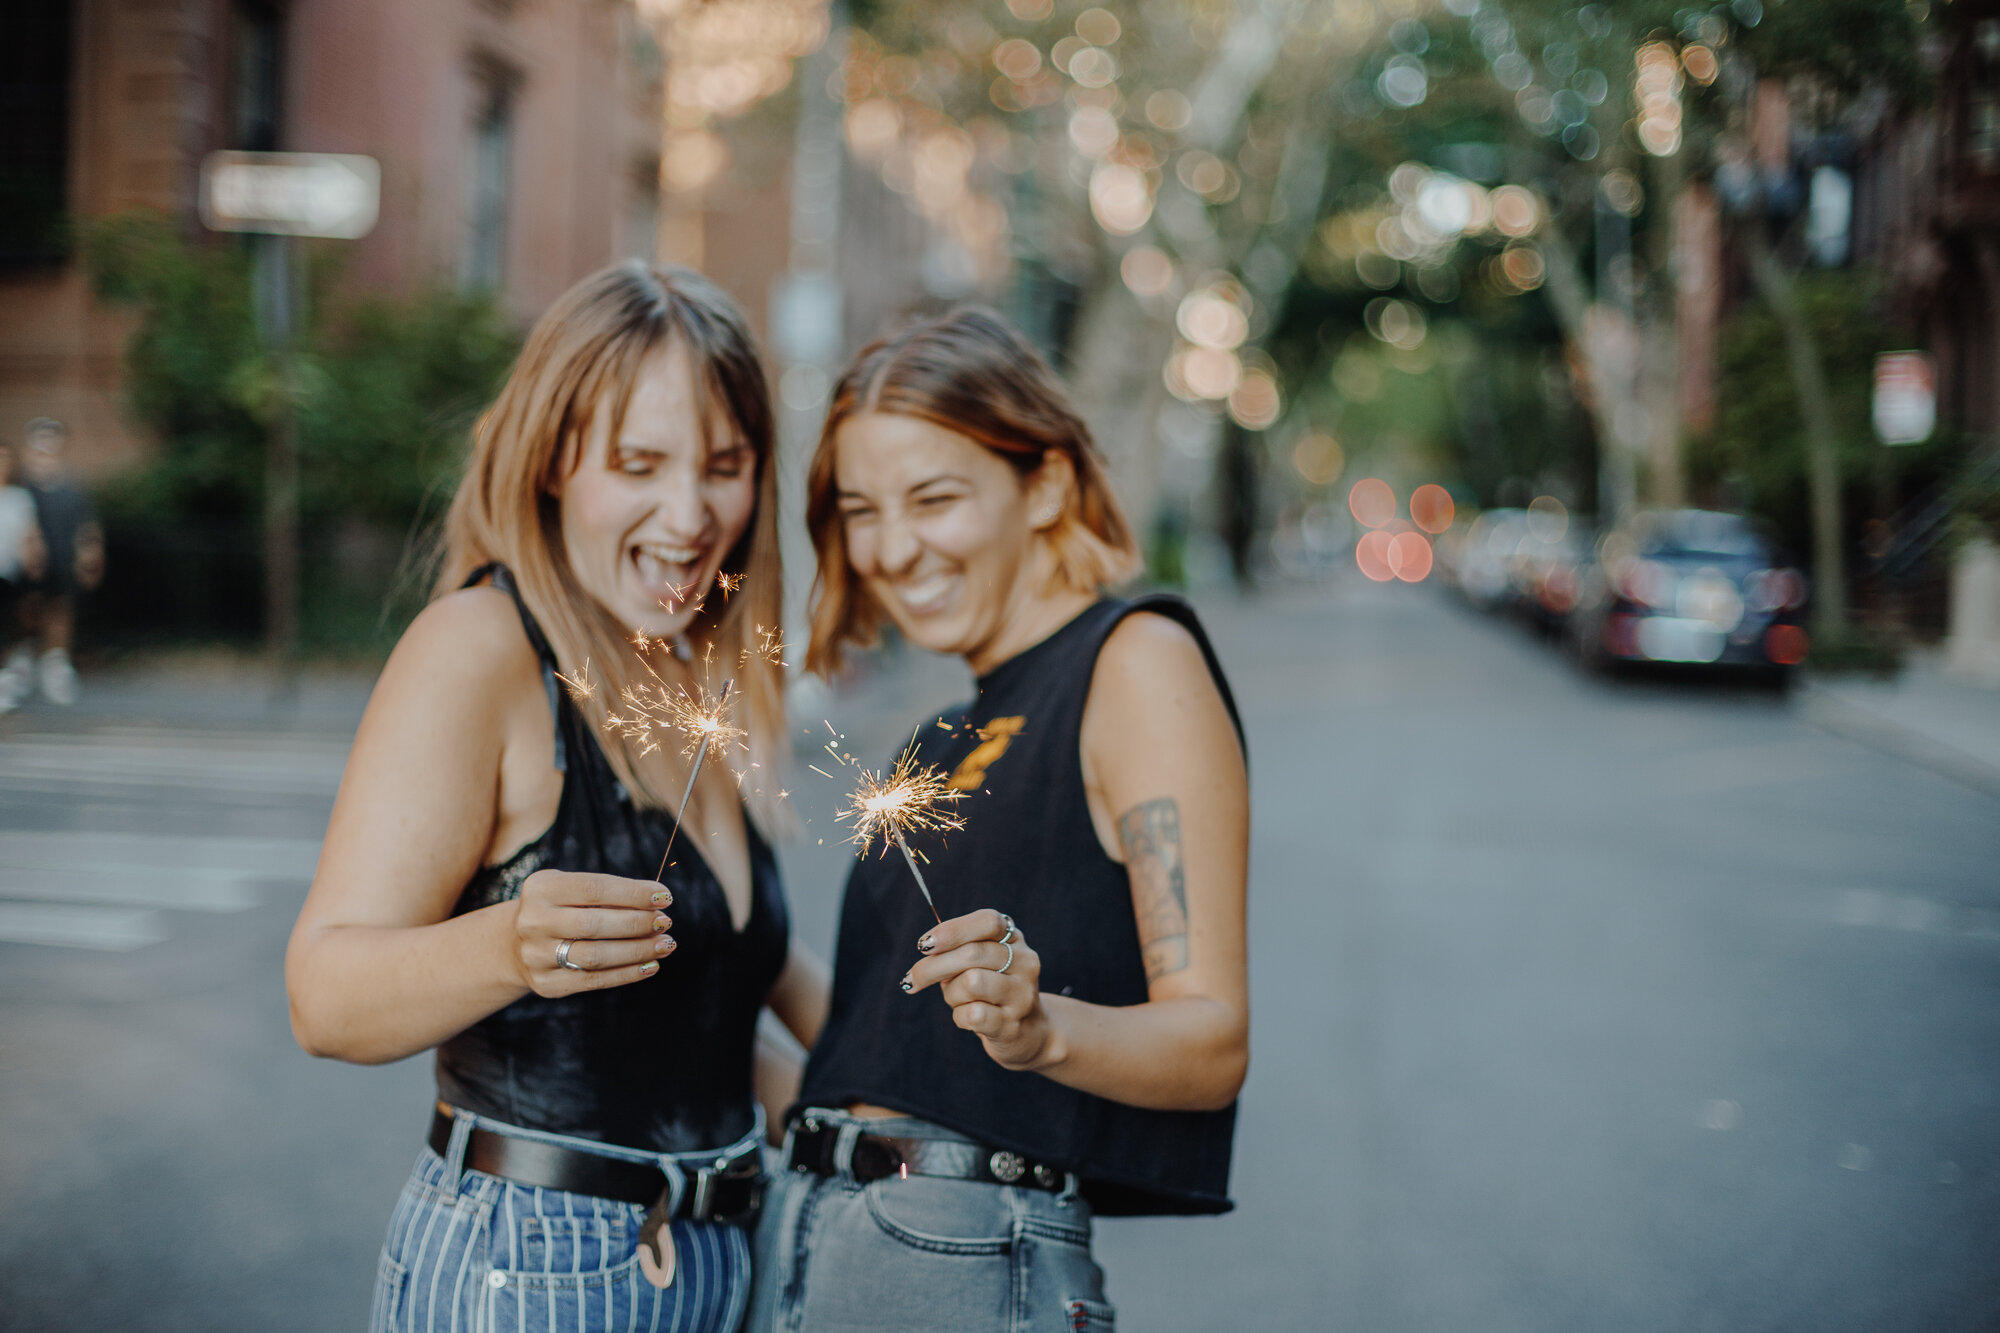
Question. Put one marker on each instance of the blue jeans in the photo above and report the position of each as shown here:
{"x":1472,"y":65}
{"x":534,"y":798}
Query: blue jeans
{"x":920,"y":1254}
{"x":471,"y":1253}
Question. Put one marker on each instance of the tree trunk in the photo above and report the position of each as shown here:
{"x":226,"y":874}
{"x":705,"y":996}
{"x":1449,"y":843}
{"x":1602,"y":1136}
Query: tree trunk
{"x":1816,"y":415}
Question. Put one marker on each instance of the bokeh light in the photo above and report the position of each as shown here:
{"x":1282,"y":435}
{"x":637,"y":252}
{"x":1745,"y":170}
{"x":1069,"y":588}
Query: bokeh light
{"x":1255,"y":403}
{"x":1120,"y":198}
{"x":1372,"y":502}
{"x":1431,"y":507}
{"x":1516,"y":210}
{"x":1548,"y":519}
{"x":1371,"y":553}
{"x":1213,"y":317}
{"x":1318,"y":459}
{"x":1147,"y":271}
{"x":1409,"y":557}
{"x":1099,"y":27}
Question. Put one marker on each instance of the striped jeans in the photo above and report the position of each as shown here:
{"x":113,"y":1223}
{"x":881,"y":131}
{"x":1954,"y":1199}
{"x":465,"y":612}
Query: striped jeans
{"x":471,"y":1253}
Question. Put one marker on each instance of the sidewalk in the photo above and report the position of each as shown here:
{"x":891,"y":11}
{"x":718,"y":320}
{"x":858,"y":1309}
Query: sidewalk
{"x":211,"y":693}
{"x":1943,"y":722}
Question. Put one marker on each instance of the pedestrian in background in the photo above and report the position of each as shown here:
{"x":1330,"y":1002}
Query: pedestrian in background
{"x":74,"y":564}
{"x":486,"y":885}
{"x":22,"y":559}
{"x":1074,"y":1045}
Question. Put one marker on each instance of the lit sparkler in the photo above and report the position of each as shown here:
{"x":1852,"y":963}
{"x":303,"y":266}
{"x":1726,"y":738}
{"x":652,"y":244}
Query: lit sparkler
{"x":728,"y":583}
{"x":913,"y":797}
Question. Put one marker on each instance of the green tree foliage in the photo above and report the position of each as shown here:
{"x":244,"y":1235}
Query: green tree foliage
{"x":387,"y":386}
{"x":386,"y":389}
{"x":1755,"y":457}
{"x":184,"y":368}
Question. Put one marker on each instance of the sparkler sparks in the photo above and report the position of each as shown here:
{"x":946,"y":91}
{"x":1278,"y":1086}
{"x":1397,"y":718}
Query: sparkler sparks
{"x":700,"y":720}
{"x":728,"y":583}
{"x":912,"y":798}
{"x":581,"y":687}
{"x":769,"y":647}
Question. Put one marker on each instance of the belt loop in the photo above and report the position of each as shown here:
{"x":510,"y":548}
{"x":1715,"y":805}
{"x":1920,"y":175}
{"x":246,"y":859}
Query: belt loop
{"x":843,"y":1147}
{"x":462,"y":1122}
{"x":676,"y":1183}
{"x":1071,"y":1188}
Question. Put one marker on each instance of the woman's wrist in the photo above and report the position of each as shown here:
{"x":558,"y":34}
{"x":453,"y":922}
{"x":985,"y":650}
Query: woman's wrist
{"x":1055,"y":1050}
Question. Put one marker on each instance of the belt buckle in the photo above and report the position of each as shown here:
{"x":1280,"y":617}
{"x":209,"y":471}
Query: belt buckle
{"x":701,"y":1205}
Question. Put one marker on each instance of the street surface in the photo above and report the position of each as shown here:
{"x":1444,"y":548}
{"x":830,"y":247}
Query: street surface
{"x":1635,"y":1005}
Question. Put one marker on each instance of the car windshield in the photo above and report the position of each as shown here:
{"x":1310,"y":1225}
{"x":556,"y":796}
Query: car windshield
{"x":1699,"y":532}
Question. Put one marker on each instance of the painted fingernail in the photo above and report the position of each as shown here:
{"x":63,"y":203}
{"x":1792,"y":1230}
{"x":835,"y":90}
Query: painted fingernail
{"x":663,"y":899}
{"x":649,"y":969}
{"x":663,"y":945}
{"x":926,"y":944}
{"x":908,"y":985}
{"x":662,"y":922}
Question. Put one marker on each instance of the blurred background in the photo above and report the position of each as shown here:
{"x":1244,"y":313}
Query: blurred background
{"x":1579,"y":424}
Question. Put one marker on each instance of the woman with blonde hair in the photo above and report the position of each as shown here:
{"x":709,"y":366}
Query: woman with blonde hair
{"x":487,"y":883}
{"x":1071,"y":1037}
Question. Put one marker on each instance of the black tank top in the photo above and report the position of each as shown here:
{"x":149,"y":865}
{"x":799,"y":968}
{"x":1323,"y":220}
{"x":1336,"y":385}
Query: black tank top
{"x":663,"y":1064}
{"x":1029,"y":849}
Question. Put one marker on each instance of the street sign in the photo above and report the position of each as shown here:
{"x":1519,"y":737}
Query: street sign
{"x":291,"y":194}
{"x":1905,"y":397}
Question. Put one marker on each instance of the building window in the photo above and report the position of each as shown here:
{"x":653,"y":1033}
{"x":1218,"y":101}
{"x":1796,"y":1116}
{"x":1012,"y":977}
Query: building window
{"x":34,"y":132}
{"x":256,"y":90}
{"x":488,"y":182}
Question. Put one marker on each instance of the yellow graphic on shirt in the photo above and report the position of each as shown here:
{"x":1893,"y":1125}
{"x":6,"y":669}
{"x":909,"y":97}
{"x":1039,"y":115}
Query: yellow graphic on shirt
{"x":994,"y":738}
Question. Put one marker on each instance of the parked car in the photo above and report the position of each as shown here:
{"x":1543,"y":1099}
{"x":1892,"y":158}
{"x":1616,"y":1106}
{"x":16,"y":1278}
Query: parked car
{"x":1481,"y":564}
{"x":1690,"y":586}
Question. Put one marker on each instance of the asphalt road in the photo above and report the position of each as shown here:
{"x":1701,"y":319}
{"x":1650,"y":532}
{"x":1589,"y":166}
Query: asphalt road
{"x":1625,"y":1005}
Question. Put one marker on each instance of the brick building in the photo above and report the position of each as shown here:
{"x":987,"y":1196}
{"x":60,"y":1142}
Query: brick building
{"x":518,"y":141}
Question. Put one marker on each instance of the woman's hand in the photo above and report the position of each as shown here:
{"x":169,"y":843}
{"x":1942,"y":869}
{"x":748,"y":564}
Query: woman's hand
{"x":612,"y":931}
{"x":993,"y":982}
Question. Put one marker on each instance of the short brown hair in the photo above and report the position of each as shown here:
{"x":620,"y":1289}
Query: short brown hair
{"x":973,"y":374}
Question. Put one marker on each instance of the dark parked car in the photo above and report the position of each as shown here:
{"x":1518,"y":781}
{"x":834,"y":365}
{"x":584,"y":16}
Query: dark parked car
{"x":1690,"y":586}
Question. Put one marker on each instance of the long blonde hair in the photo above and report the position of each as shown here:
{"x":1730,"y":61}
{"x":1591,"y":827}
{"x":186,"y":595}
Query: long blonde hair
{"x":583,"y":356}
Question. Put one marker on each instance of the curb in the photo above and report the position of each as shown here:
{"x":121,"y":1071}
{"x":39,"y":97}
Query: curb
{"x":1829,"y":712}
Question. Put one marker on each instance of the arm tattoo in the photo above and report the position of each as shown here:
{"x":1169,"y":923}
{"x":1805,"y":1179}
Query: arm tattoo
{"x":1154,"y":860}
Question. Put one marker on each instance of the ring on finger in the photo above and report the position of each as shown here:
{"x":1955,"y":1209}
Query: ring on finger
{"x":562,"y":956}
{"x":1010,"y":956}
{"x":1008,"y":922}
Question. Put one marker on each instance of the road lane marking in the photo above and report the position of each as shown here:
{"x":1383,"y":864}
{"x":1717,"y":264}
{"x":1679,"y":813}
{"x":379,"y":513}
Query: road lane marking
{"x":76,"y":888}
{"x":113,"y":929}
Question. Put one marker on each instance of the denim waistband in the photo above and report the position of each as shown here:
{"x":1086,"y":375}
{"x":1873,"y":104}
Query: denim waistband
{"x":850,"y":1127}
{"x":675,"y":1166}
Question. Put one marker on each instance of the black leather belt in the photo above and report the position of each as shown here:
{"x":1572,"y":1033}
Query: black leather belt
{"x":727,"y":1190}
{"x":879,"y":1156}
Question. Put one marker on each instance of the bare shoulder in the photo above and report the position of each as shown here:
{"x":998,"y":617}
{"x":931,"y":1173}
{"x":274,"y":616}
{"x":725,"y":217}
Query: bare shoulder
{"x":1152,"y":701}
{"x":467,"y":646}
{"x":1148,"y":655}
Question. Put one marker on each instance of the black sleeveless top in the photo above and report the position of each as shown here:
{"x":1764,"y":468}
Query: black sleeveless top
{"x":1029,"y":849}
{"x":663,"y":1064}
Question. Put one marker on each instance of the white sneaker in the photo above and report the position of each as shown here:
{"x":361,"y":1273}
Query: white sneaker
{"x":17,"y":680}
{"x":58,"y":678}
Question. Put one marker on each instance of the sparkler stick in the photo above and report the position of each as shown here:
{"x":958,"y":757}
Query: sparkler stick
{"x":714,"y":727}
{"x":911,"y":797}
{"x":911,"y":861}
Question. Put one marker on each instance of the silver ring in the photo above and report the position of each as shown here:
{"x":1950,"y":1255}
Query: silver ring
{"x":1009,"y":921}
{"x":562,"y":956}
{"x":1010,"y":957}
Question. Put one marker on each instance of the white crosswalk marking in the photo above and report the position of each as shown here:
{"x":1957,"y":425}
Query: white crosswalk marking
{"x":88,"y":889}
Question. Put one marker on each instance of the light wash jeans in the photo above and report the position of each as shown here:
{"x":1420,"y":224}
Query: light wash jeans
{"x":921,"y":1254}
{"x":471,"y":1253}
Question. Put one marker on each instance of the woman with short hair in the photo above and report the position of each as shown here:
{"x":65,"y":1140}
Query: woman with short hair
{"x":487,"y":882}
{"x":1071,"y":1038}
